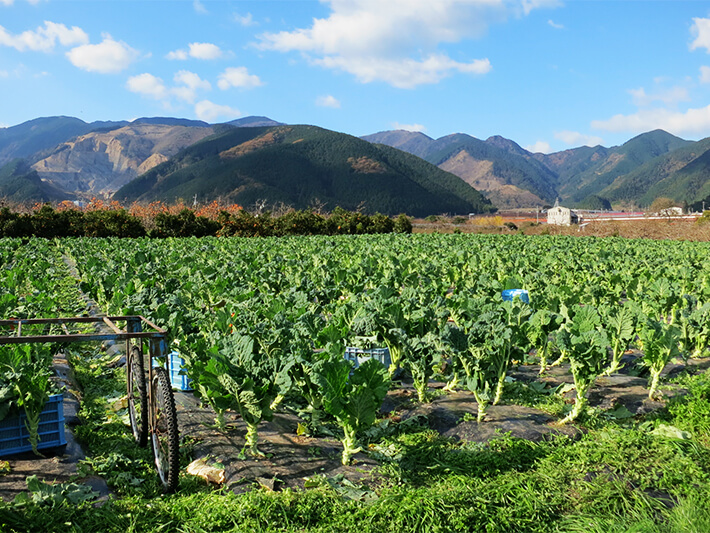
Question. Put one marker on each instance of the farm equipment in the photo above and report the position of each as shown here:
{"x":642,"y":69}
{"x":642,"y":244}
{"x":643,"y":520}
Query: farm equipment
{"x":151,"y":404}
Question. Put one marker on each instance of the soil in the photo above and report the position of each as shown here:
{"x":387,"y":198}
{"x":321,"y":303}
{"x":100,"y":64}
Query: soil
{"x":290,"y":459}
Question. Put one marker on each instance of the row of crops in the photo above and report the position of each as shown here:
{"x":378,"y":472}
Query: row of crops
{"x":263,"y":324}
{"x":33,"y":283}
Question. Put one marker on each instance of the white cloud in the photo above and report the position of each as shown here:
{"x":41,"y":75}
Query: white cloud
{"x":397,"y":41}
{"x":404,"y":73}
{"x":539,"y":147}
{"x":574,"y":138}
{"x":205,"y":51}
{"x":196,"y":51}
{"x":691,"y":121}
{"x":180,"y":55}
{"x":409,"y":127}
{"x":701,"y":31}
{"x":529,"y":5}
{"x":238,"y":77}
{"x":704,"y":74}
{"x":189,"y":84}
{"x":245,"y":20}
{"x":147,"y":85}
{"x":107,"y":57}
{"x":209,"y":111}
{"x":328,"y":101}
{"x":44,"y":39}
{"x":4,"y":74}
{"x":669,"y":97}
{"x":199,"y":7}
{"x":553,"y":24}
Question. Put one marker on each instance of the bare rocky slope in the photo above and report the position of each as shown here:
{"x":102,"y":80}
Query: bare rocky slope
{"x":100,"y":163}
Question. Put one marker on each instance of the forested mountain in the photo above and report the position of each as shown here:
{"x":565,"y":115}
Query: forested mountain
{"x":506,"y":173}
{"x":57,"y":158}
{"x":302,"y":166}
{"x":617,"y":162}
{"x":683,"y":175}
{"x":630,"y":175}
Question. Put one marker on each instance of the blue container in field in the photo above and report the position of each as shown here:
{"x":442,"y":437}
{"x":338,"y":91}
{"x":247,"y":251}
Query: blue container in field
{"x":511,"y":294}
{"x":359,"y":355}
{"x":15,"y":438}
{"x":178,"y":379}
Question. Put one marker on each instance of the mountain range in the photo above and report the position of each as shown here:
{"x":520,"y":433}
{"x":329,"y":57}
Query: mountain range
{"x":256,"y":159}
{"x":632,"y":175}
{"x":253,"y":160}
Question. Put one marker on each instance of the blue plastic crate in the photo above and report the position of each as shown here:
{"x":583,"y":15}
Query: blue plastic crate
{"x":510,"y":295}
{"x":14,"y":437}
{"x":178,"y":379}
{"x":359,"y":355}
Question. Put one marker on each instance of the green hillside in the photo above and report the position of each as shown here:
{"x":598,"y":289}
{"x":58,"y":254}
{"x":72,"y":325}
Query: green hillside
{"x":619,"y":161}
{"x":301,"y":166}
{"x":20,"y":184}
{"x":683,"y":175}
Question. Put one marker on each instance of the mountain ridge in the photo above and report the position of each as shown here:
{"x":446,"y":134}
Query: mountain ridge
{"x":300,"y":166}
{"x":73,"y":158}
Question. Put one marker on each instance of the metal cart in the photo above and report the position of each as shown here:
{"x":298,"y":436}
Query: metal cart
{"x":151,"y":404}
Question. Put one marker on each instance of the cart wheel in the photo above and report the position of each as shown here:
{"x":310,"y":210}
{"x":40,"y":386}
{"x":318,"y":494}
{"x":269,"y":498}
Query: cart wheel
{"x":137,"y":396}
{"x":164,"y":429}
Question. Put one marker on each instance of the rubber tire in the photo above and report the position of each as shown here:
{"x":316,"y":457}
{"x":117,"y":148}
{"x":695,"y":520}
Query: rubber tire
{"x":164,"y":430}
{"x":137,"y":396}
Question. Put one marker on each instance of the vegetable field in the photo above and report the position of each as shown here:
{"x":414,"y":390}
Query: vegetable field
{"x":263,"y":324}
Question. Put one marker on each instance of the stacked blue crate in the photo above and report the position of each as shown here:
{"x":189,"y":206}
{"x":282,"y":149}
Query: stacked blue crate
{"x":14,"y":436}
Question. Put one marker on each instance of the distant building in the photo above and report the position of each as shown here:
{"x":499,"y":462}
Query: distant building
{"x":561,"y":216}
{"x":670,"y":212}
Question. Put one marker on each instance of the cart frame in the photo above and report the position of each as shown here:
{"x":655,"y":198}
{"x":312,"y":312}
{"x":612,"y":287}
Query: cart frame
{"x":149,"y":389}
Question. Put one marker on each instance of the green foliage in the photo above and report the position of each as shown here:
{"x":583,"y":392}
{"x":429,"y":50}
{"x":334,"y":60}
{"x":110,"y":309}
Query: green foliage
{"x":659,"y":342}
{"x":542,"y":324}
{"x":25,"y":384}
{"x":184,"y":224}
{"x":585,"y":343}
{"x":594,"y":202}
{"x":620,"y":326}
{"x":46,"y":494}
{"x":629,"y":475}
{"x":48,"y":222}
{"x":353,"y":397}
{"x":402,"y":224}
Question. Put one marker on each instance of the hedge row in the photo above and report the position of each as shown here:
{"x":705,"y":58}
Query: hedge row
{"x":49,"y":223}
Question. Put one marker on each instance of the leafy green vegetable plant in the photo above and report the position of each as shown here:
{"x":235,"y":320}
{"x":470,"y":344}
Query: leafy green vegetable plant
{"x":587,"y":351}
{"x":620,"y":326}
{"x":659,"y":342}
{"x":542,"y":323}
{"x":352,"y":398}
{"x":26,"y":373}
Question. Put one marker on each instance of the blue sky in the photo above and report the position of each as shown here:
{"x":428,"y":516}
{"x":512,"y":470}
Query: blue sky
{"x":547,"y":74}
